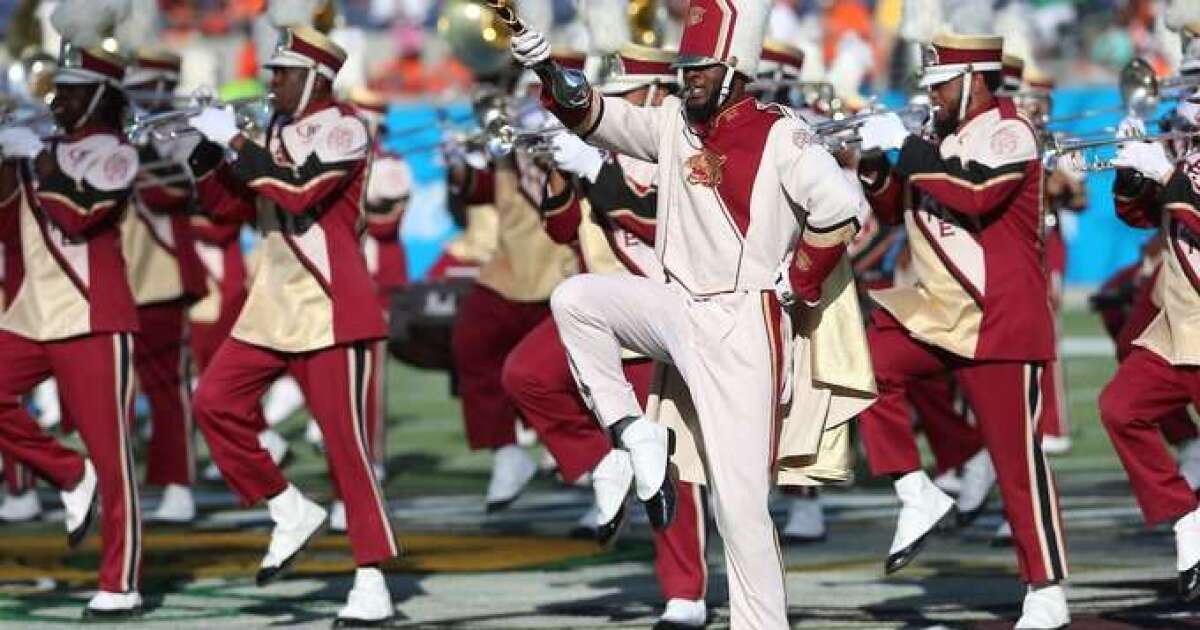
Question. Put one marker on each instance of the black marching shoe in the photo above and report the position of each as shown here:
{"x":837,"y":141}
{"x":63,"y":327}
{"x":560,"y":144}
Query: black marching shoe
{"x":1189,"y":583}
{"x":650,"y":447}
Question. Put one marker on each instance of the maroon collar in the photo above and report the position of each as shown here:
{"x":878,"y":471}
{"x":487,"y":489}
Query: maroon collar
{"x":728,"y":117}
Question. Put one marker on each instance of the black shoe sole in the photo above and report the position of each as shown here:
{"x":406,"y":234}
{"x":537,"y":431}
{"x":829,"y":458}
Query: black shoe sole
{"x":76,"y":536}
{"x":964,"y":519}
{"x":91,"y":614}
{"x":1189,"y":583}
{"x":348,"y":622}
{"x":607,"y":533}
{"x":902,"y":558}
{"x":266,"y":575}
{"x":803,"y":540}
{"x":661,"y":507}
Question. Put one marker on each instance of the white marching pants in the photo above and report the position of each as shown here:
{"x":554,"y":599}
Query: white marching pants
{"x":727,"y":349}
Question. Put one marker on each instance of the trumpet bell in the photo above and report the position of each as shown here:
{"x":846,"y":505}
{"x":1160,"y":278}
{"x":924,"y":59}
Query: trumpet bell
{"x":1140,"y":89}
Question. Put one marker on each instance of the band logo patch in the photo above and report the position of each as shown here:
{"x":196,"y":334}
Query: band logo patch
{"x":1004,"y":142}
{"x":695,"y":16}
{"x":704,"y":168}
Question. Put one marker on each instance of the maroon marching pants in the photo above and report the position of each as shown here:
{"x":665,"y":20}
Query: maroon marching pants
{"x":335,"y":382}
{"x":95,"y":380}
{"x":1007,"y":401}
{"x":951,"y":438}
{"x":1145,"y":389}
{"x":487,"y":328}
{"x":538,"y":380}
{"x":163,"y":368}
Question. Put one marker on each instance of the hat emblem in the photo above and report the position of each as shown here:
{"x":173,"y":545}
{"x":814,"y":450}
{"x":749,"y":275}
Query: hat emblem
{"x":695,"y":15}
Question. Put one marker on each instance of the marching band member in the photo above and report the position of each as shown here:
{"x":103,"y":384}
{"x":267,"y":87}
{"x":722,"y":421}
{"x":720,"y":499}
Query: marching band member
{"x":21,"y":501}
{"x":72,"y":313}
{"x":1159,"y":375}
{"x":166,"y":278}
{"x":508,"y":300}
{"x":978,"y":307}
{"x":612,"y":226}
{"x":303,"y":314}
{"x":727,"y":167}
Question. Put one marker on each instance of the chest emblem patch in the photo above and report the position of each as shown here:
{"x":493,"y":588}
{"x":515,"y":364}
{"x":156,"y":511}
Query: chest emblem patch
{"x":704,"y":168}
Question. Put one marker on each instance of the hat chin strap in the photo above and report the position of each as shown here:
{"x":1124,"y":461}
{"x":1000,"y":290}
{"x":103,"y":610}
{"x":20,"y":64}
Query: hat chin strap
{"x":726,"y":84}
{"x":965,"y":97}
{"x":92,"y":105}
{"x":306,"y":96}
{"x":651,"y":92}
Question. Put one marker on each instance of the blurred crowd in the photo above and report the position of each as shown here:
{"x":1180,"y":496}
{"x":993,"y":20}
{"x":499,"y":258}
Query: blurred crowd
{"x":859,"y":43}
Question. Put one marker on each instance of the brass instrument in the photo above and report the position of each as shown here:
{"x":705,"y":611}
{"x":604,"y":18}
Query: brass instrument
{"x":1074,"y":149}
{"x":252,"y":114}
{"x":643,"y":23}
{"x":839,"y":133}
{"x":1141,"y":92}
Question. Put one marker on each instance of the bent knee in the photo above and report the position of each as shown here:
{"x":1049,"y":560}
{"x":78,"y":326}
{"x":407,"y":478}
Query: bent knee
{"x":572,"y":295}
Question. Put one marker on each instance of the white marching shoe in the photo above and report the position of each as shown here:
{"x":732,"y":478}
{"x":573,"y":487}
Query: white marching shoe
{"x":1187,"y":555}
{"x":79,"y":504}
{"x":611,"y":480}
{"x":1044,"y":608}
{"x":650,"y":446}
{"x":337,"y":517}
{"x":978,"y":477}
{"x":312,"y":435}
{"x":512,"y":470}
{"x":922,"y":507}
{"x":949,"y":482}
{"x":1189,"y":463}
{"x":274,"y":444}
{"x":19,"y":508}
{"x":177,"y":505}
{"x":297,"y":519}
{"x":683,"y":613}
{"x":806,"y":521}
{"x":369,"y":603}
{"x":1056,"y":444}
{"x":107,"y":605}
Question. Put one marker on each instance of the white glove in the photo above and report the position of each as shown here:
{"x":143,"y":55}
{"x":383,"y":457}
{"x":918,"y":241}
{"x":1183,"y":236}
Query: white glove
{"x":1131,"y":127}
{"x":216,"y":124}
{"x":1147,"y":158}
{"x":530,"y":48}
{"x":883,"y":132}
{"x":576,"y":156}
{"x":783,"y":282}
{"x":20,"y":142}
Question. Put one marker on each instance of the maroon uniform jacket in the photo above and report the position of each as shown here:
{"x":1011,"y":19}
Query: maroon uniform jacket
{"x":972,"y":207}
{"x":304,"y":193}
{"x":64,"y":272}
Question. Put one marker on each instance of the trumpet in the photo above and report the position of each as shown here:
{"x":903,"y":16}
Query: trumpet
{"x":841,"y":133}
{"x":173,"y":124}
{"x":1074,"y":149}
{"x":1141,"y":93}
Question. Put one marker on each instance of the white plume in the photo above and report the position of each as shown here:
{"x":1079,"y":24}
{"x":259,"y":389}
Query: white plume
{"x":289,"y":13}
{"x":920,"y":20}
{"x":607,"y":26}
{"x":140,"y":28}
{"x":1182,"y":12}
{"x":86,"y":23}
{"x":970,"y":17}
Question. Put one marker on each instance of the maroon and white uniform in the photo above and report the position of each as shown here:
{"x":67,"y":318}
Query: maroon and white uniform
{"x":304,"y":313}
{"x":972,"y":209}
{"x":1161,"y":374}
{"x":71,"y":315}
{"x":734,"y":198}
